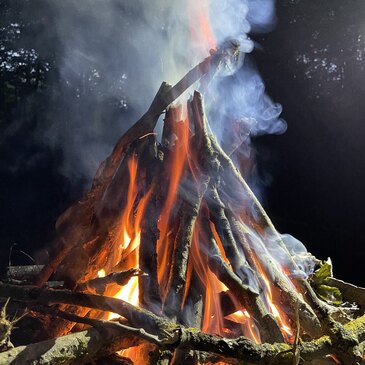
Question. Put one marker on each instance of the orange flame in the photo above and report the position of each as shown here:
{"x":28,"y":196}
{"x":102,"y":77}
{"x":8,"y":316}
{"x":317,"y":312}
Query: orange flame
{"x":279,"y":316}
{"x":129,"y":235}
{"x":201,"y":31}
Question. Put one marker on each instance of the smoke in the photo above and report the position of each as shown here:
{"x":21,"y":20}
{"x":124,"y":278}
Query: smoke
{"x":114,"y":55}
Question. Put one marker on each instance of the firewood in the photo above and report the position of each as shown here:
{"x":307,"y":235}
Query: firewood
{"x":98,"y":285}
{"x":250,"y":300}
{"x":260,"y":217}
{"x":80,"y":215}
{"x":138,"y":317}
{"x":344,"y":342}
{"x":350,"y":292}
{"x":221,"y":223}
{"x":76,"y":348}
{"x":149,"y":292}
{"x":23,"y":273}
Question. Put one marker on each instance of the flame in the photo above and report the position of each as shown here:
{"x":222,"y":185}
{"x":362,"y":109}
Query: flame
{"x":278,"y":315}
{"x":101,"y":273}
{"x":129,"y":235}
{"x":201,"y":31}
{"x":335,"y":359}
{"x":213,"y":316}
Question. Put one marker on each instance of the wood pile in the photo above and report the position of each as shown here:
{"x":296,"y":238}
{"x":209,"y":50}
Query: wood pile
{"x":176,"y":223}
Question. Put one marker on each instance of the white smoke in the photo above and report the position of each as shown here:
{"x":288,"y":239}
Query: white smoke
{"x":122,"y":51}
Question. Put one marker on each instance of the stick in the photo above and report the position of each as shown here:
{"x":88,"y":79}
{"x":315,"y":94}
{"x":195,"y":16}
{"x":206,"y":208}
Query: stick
{"x":98,"y":285}
{"x":261,"y":217}
{"x":350,"y":292}
{"x":23,"y":273}
{"x":149,"y":295}
{"x":138,"y":317}
{"x":76,"y":348}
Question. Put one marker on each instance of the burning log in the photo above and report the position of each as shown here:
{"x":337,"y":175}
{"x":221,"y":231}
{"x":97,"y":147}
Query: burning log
{"x":190,"y":210}
{"x":30,"y":294}
{"x":99,"y":285}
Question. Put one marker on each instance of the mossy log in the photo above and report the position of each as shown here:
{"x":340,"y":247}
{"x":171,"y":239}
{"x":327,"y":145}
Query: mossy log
{"x":76,"y":348}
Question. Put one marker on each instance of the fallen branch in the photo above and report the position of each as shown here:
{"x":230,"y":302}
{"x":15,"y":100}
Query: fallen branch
{"x":73,"y":349}
{"x":138,"y":317}
{"x":346,"y":344}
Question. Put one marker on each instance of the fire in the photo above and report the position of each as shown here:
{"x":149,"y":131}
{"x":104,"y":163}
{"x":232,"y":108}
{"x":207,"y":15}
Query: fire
{"x":129,"y":235}
{"x":213,"y":320}
{"x":284,"y":324}
{"x":200,"y":27}
{"x":179,"y":162}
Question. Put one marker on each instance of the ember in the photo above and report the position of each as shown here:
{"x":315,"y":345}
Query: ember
{"x":170,"y":258}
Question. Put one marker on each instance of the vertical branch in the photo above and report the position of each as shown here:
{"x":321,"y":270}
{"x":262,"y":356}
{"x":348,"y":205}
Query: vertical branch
{"x":148,"y":285}
{"x":190,"y":208}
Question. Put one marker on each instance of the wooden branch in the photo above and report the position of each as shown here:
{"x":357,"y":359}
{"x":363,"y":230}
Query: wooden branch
{"x":218,"y":216}
{"x":350,"y":292}
{"x":23,"y":273}
{"x":99,"y":324}
{"x":74,"y":349}
{"x":269,"y":330}
{"x":344,"y":342}
{"x":138,"y":317}
{"x":149,"y":294}
{"x":98,"y":285}
{"x":260,"y":216}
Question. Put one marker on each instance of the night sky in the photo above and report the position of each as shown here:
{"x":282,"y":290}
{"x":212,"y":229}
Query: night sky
{"x":313,"y":64}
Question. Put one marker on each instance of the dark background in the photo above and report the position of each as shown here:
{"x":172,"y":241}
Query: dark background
{"x":312,"y":63}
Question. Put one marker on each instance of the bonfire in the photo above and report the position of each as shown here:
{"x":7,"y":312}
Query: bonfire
{"x":170,"y":258}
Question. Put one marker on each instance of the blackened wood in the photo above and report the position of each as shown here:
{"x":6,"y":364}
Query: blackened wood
{"x":98,"y":285}
{"x":138,"y":317}
{"x":149,"y":295}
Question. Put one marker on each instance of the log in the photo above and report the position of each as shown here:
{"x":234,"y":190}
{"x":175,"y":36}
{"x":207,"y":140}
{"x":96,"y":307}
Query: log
{"x":350,"y":292}
{"x":149,"y":293}
{"x":76,"y":349}
{"x":98,"y":285}
{"x":260,"y":216}
{"x":22,"y":273}
{"x":138,"y":317}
